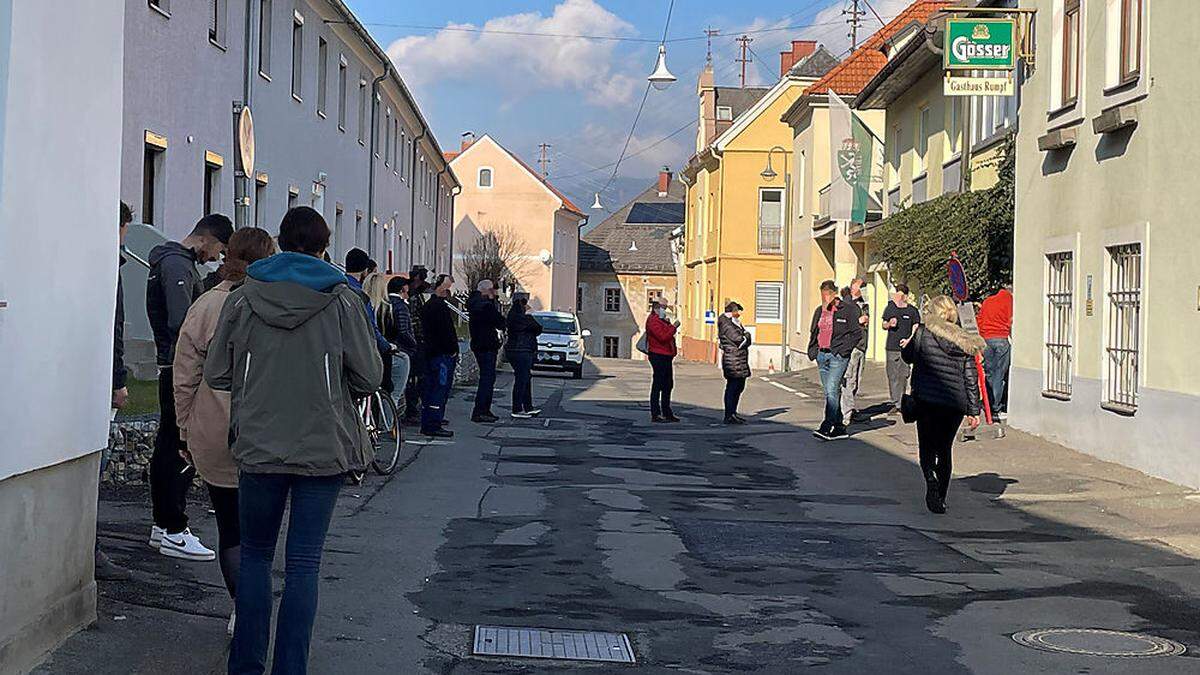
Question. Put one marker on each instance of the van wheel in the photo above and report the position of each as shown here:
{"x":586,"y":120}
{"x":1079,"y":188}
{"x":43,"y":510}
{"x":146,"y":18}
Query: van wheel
{"x":577,"y":374}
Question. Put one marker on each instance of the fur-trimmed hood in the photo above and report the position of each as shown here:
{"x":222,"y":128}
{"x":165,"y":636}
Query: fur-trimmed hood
{"x":969,"y":342}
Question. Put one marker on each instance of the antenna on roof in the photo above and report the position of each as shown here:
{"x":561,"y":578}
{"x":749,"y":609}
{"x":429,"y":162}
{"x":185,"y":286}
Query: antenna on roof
{"x":855,"y":18}
{"x":745,"y":41}
{"x":710,"y":33}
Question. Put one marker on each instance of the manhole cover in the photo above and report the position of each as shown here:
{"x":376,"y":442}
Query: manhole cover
{"x":1096,"y":642}
{"x":549,"y":643}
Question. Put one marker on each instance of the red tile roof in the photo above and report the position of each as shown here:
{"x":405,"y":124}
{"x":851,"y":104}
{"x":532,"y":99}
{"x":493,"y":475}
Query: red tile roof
{"x":449,"y":156}
{"x":851,"y":75}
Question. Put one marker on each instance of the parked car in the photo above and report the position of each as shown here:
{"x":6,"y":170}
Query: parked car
{"x":560,"y":346}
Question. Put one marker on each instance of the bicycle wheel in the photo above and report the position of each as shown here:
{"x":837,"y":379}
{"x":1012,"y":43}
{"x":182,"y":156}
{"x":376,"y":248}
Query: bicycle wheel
{"x":386,"y":435}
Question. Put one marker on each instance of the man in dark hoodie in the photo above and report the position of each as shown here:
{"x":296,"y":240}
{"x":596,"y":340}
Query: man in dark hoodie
{"x":293,"y":348}
{"x":834,"y":334}
{"x":418,"y":286}
{"x":173,"y":283}
{"x":358,"y":266}
{"x":486,"y":322}
{"x":441,"y":357}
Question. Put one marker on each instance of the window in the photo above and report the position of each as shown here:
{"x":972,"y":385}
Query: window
{"x":1060,"y":323}
{"x":1070,"y":51}
{"x":653,"y":295}
{"x":612,"y":347}
{"x":151,"y":181}
{"x":579,"y":298}
{"x":216,"y":21}
{"x":297,"y":54}
{"x":921,"y":142}
{"x":293,"y":197}
{"x":768,"y":296}
{"x":260,"y":205}
{"x":387,"y":138}
{"x":362,"y":111}
{"x":404,"y":154}
{"x":724,"y":113}
{"x":1123,"y":342}
{"x":322,"y":74}
{"x":358,"y":228}
{"x":485,"y":178}
{"x":896,"y":155}
{"x":163,"y":6}
{"x":953,"y":126}
{"x":212,"y":187}
{"x":612,"y":299}
{"x":264,"y":38}
{"x":990,"y":115}
{"x":396,"y":143}
{"x":342,"y":82}
{"x":1131,"y":40}
{"x":770,"y":221}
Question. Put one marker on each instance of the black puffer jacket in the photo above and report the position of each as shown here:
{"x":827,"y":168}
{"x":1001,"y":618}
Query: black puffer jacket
{"x":523,"y":331}
{"x":943,"y":358}
{"x":486,"y":322}
{"x":735,"y":347}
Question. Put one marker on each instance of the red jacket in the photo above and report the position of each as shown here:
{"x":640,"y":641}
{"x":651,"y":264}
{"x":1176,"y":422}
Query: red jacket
{"x":660,"y":336}
{"x":996,"y":315}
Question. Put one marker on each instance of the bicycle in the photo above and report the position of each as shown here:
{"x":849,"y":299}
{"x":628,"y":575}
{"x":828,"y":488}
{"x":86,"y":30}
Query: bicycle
{"x":379,"y":416}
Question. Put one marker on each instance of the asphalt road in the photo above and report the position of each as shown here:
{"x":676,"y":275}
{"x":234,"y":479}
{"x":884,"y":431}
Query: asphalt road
{"x":715,"y":549}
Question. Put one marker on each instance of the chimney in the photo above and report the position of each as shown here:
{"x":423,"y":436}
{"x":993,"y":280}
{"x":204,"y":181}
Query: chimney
{"x":706,"y":90}
{"x":468,"y":137}
{"x":664,"y":181}
{"x":800,"y":50}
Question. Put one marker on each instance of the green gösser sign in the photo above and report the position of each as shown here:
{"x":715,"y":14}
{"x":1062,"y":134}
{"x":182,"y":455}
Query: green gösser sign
{"x":980,"y":43}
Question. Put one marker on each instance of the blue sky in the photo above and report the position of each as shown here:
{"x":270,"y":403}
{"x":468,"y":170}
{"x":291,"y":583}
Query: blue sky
{"x":581,"y":95}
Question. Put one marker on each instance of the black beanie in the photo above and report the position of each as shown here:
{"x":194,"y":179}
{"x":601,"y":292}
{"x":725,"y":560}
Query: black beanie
{"x":357,"y":261}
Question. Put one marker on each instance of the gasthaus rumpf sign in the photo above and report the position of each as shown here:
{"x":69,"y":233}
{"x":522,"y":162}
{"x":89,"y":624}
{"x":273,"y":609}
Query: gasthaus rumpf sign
{"x":984,"y":44}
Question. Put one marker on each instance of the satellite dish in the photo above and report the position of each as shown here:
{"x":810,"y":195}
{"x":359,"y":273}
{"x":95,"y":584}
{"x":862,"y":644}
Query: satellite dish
{"x":246,"y":140}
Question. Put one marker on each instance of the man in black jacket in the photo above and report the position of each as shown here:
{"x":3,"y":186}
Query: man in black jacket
{"x":834,"y":334}
{"x":486,"y":322}
{"x":173,"y":283}
{"x":853,"y":294}
{"x":441,"y":356}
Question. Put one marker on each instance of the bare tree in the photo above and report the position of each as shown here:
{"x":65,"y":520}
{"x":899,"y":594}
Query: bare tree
{"x":499,"y":254}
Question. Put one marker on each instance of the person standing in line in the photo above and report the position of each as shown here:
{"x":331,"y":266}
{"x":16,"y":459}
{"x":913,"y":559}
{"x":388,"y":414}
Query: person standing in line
{"x":441,"y":350}
{"x":995,"y":327}
{"x":735,"y":358}
{"x":171,"y":286}
{"x":401,"y":335}
{"x":203,"y":414}
{"x":858,"y":357}
{"x":945,"y":387}
{"x":899,"y":319}
{"x":358,"y":268}
{"x":375,"y":288}
{"x":520,"y":350}
{"x":106,"y":569}
{"x":418,"y":285}
{"x":661,"y":350}
{"x":295,"y":350}
{"x":486,"y":323}
{"x":834,"y":333}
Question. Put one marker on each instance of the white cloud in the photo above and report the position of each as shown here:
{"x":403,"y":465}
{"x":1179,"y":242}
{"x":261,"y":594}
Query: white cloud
{"x":523,"y":64}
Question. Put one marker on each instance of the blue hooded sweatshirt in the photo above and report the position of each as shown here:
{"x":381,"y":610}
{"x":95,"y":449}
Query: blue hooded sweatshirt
{"x":297,"y":268}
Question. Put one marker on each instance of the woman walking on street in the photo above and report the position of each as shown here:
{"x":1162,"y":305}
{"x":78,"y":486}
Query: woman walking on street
{"x":203,"y":414}
{"x":660,"y":347}
{"x":295,"y":349}
{"x":520,"y":350}
{"x":735,"y":359}
{"x":945,"y":388}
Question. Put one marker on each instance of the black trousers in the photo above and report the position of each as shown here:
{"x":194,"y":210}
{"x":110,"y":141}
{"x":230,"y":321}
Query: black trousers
{"x":487,"y":381}
{"x":522,"y":390}
{"x":412,"y":392}
{"x":661,"y":384}
{"x":936,"y":427}
{"x":229,"y":533}
{"x":734,"y":386}
{"x":169,"y":481}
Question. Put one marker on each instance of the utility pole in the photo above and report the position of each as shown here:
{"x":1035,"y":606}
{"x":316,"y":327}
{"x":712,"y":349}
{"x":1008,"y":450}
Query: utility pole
{"x":745,"y":41}
{"x":854,"y":18}
{"x":544,"y":159}
{"x":710,"y":33}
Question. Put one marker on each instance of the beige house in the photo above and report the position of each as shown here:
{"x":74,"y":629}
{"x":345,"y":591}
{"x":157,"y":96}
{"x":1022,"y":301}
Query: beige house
{"x":1107,"y":287}
{"x":624,"y":263}
{"x":502,"y":194}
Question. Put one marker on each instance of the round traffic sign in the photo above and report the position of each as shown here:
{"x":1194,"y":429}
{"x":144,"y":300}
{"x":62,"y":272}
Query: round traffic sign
{"x":958,"y":278}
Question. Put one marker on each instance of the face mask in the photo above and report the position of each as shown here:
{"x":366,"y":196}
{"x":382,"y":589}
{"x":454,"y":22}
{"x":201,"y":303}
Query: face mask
{"x":662,"y":313}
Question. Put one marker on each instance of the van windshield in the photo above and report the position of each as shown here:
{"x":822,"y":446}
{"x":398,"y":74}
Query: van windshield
{"x":556,"y":325}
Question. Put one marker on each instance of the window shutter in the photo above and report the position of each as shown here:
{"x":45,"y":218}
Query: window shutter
{"x":767,"y":300}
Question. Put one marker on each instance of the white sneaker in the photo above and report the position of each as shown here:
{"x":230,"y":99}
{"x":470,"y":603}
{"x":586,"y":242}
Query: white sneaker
{"x":156,"y":535}
{"x":232,"y":622}
{"x":522,"y":415}
{"x":185,"y":546}
{"x":534,"y":413}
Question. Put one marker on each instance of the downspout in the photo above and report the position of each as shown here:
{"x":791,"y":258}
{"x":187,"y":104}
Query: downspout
{"x":412,"y":208}
{"x":454,"y":192}
{"x":437,"y":207}
{"x":242,"y":179}
{"x":387,"y":69}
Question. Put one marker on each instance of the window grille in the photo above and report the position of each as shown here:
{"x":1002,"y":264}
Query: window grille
{"x":1124,"y":326}
{"x":1060,"y":320}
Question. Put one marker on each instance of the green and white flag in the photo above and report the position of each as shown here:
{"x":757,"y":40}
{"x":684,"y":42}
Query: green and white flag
{"x":857,"y":163}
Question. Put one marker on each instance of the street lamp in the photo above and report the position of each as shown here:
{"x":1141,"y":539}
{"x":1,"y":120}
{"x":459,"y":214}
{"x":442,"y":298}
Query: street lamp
{"x":661,"y":78}
{"x":596,"y":205}
{"x":769,"y":174}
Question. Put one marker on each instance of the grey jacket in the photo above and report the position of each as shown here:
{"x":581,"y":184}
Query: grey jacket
{"x":294,"y":359}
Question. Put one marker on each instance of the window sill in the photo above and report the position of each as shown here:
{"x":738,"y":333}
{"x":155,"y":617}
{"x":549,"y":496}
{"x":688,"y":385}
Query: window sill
{"x":1118,"y":408}
{"x":165,"y":14}
{"x":297,"y":99}
{"x":342,"y":128}
{"x":265,"y":76}
{"x":362,"y":142}
{"x":1064,"y":116}
{"x":321,"y":114}
{"x":1055,"y":395}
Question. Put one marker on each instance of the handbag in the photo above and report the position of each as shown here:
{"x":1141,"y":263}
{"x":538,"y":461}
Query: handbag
{"x":641,"y":345}
{"x":910,"y":407}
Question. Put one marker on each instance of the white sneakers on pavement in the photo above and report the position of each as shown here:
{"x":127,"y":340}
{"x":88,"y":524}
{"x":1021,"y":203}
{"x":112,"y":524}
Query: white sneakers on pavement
{"x":183,"y":545}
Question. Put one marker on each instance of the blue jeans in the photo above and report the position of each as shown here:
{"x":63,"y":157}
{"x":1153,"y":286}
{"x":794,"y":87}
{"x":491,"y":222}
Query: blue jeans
{"x":832,"y":369}
{"x":439,"y":376}
{"x":997,"y":357}
{"x":487,"y":382}
{"x":522,"y":392}
{"x":401,"y":364}
{"x":262,"y":498}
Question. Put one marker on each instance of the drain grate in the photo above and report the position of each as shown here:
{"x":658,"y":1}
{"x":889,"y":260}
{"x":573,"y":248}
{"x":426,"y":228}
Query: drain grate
{"x":1097,"y":642}
{"x":549,"y":643}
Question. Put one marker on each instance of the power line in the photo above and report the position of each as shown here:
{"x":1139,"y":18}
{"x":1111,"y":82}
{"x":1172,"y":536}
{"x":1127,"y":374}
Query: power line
{"x":689,"y":124}
{"x":745,"y":41}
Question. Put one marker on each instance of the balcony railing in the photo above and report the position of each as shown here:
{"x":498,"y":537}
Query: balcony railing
{"x":770,"y":239}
